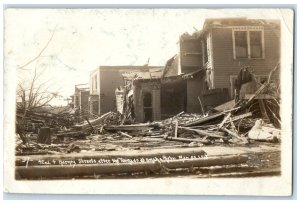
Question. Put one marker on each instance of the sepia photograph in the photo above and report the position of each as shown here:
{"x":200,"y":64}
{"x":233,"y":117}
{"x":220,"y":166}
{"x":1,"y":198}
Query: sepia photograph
{"x":132,"y":95}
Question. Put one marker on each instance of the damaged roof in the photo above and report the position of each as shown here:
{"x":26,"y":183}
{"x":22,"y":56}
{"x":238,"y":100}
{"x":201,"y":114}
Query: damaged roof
{"x":191,"y":75}
{"x":243,"y":21}
{"x":153,"y":73}
{"x":82,"y":86}
{"x":219,"y":22}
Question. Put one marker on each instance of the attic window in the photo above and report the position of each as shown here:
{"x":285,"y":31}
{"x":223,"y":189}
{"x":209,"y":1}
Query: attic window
{"x":248,"y":43}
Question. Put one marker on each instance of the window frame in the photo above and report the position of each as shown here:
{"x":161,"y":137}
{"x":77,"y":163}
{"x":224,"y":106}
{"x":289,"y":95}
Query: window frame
{"x":248,"y":29}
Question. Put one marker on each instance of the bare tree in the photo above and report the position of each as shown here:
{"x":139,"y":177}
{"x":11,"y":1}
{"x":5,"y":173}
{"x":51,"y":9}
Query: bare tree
{"x":32,"y":95}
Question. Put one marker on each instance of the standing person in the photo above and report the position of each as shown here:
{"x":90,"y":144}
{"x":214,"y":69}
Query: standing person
{"x":243,"y":77}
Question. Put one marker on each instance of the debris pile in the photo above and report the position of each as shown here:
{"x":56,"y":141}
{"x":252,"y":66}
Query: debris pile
{"x":99,"y":140}
{"x":237,"y":124}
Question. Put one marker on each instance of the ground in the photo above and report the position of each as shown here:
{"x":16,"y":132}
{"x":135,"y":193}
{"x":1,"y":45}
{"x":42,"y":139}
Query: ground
{"x":263,"y":158}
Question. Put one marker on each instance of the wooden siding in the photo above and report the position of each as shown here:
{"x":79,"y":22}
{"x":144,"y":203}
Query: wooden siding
{"x":156,"y":104}
{"x":225,"y":65}
{"x":173,"y":98}
{"x":109,"y":81}
{"x":191,"y":55}
{"x":194,"y":90}
{"x":209,"y":64}
{"x":110,"y":78}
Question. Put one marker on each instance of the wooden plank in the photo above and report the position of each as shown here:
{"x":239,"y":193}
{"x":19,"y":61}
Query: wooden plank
{"x":224,"y":121}
{"x":188,"y":140}
{"x":125,"y":134}
{"x":238,"y":117}
{"x":243,"y":104}
{"x":204,"y":119}
{"x":202,"y":132}
{"x":92,"y":122}
{"x":201,"y":105}
{"x":128,"y":127}
{"x":72,"y":134}
{"x":176,"y":128}
{"x":233,"y":134}
{"x":263,"y":110}
{"x":225,"y":106}
{"x":260,"y":96}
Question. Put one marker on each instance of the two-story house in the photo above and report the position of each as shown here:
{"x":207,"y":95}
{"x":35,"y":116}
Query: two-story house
{"x":105,"y":80}
{"x":205,"y":68}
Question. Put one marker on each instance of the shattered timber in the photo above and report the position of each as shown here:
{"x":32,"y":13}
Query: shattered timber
{"x":201,"y":115}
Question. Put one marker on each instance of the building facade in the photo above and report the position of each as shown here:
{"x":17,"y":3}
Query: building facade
{"x":106,"y":79}
{"x":234,"y":43}
{"x":80,"y":97}
{"x":203,"y":74}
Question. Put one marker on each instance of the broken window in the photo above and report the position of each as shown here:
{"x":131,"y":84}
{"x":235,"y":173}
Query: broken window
{"x":256,"y":44}
{"x":248,"y":44}
{"x":241,"y":49}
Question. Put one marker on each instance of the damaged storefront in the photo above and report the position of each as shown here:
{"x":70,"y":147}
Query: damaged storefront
{"x":156,"y":99}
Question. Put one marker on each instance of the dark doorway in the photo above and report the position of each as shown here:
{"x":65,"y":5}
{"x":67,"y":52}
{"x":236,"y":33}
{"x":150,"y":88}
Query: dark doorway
{"x":147,"y":101}
{"x":173,"y":98}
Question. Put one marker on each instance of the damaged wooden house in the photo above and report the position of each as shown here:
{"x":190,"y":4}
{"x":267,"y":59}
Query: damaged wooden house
{"x":105,"y":81}
{"x":204,"y":72}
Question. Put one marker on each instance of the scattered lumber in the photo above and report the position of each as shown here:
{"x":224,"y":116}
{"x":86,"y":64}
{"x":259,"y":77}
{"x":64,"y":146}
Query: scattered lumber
{"x":224,"y":120}
{"x":137,"y":127}
{"x":201,"y":132}
{"x":233,"y":134}
{"x":176,"y":129}
{"x":242,"y":116}
{"x":100,"y":120}
{"x":188,"y":140}
{"x":45,"y":137}
{"x":71,"y":134}
{"x":205,"y":119}
{"x":125,"y":134}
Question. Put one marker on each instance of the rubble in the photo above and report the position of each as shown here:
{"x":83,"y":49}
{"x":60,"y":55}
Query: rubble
{"x":229,"y":126}
{"x":254,"y":118}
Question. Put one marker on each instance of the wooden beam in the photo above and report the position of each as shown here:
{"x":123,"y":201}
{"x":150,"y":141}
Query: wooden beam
{"x":156,"y":166}
{"x":224,"y":121}
{"x":176,"y":128}
{"x":238,"y":117}
{"x":188,"y":140}
{"x":204,"y":119}
{"x":201,"y":132}
{"x":263,"y":110}
{"x":233,"y":134}
{"x":125,"y":134}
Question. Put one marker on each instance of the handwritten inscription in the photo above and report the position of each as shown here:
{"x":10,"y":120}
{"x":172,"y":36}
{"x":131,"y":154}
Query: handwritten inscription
{"x":119,"y":160}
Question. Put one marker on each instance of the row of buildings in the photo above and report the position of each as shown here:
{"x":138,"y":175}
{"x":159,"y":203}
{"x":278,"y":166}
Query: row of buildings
{"x":201,"y":75}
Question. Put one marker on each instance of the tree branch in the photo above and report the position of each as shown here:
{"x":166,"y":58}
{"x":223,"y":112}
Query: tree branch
{"x":40,"y":53}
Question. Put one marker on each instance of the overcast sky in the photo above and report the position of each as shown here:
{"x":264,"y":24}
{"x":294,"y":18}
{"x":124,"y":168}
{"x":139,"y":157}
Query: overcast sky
{"x":86,"y":39}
